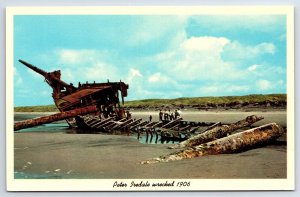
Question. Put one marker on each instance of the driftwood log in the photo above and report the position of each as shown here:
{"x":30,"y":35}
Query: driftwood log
{"x":54,"y":117}
{"x":231,"y":144}
{"x":217,"y":132}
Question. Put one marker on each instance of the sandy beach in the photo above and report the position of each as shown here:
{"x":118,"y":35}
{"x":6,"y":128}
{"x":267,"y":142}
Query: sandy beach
{"x":96,"y":156}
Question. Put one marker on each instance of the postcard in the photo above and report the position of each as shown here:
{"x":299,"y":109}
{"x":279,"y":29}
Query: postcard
{"x":150,"y":98}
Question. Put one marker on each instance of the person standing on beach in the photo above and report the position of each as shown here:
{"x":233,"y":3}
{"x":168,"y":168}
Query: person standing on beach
{"x":150,"y":118}
{"x":176,"y":114}
{"x":171,"y":115}
{"x":160,"y":115}
{"x":128,"y":115}
{"x":179,"y":113}
{"x":166,"y":115}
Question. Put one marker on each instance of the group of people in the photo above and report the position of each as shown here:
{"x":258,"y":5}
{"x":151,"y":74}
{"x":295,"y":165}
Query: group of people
{"x":168,"y":115}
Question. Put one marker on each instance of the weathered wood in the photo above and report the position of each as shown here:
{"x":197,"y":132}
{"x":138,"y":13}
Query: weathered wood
{"x":171,"y":122}
{"x":103,"y":122}
{"x":212,"y":126}
{"x":234,"y":143}
{"x":185,"y":128}
{"x":100,"y":122}
{"x":217,"y":132}
{"x":174,"y":126}
{"x":54,"y":117}
{"x":122,"y":120}
{"x":132,"y":123}
{"x":149,"y":124}
{"x":157,"y":124}
{"x":108,"y":126}
{"x":140,"y":124}
{"x":121,"y":124}
{"x":93,"y":122}
{"x":89,"y":120}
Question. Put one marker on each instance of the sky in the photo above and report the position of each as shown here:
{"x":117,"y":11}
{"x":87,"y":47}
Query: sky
{"x":159,"y":56}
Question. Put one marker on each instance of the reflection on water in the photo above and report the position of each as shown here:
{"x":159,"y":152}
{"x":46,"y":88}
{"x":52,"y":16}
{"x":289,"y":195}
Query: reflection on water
{"x":49,"y":128}
{"x":144,"y":139}
{"x":23,"y":175}
{"x":62,"y":126}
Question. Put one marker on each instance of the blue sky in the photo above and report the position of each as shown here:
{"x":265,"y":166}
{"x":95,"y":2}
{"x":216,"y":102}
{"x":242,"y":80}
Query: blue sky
{"x":167,"y":56}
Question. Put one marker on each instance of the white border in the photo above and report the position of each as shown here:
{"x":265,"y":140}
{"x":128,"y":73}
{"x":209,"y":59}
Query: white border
{"x":106,"y":184}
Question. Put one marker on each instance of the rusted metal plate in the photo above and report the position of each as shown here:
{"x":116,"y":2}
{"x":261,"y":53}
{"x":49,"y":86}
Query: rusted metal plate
{"x":76,"y":96}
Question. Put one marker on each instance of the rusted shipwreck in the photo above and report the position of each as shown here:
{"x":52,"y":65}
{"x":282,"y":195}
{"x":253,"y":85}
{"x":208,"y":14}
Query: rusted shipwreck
{"x":88,"y":98}
{"x":96,"y":108}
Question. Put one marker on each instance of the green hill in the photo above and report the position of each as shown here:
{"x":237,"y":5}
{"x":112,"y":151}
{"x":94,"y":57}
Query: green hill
{"x":153,"y":103}
{"x":208,"y":100}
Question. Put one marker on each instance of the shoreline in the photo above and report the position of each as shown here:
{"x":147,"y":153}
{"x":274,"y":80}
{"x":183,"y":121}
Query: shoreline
{"x":46,"y":154}
{"x":266,"y":110}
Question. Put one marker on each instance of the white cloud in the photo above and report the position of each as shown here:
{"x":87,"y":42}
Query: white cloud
{"x":101,"y":71}
{"x":198,"y":58}
{"x":155,"y":78}
{"x":135,"y":72}
{"x":264,"y":84}
{"x":254,"y":67}
{"x":72,"y":57}
{"x":238,"y":51}
{"x":69,"y":56}
{"x":210,"y":58}
{"x":205,"y":44}
{"x":270,"y":85}
{"x":159,"y":78}
{"x":222,"y":89}
{"x":134,"y":76}
{"x":149,"y":29}
{"x":84,"y":65}
{"x":136,"y":82}
{"x":18,"y":80}
{"x":264,"y":48}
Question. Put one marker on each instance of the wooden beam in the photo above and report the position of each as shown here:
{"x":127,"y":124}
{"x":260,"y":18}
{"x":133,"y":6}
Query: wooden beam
{"x":234,"y":143}
{"x":217,"y":132}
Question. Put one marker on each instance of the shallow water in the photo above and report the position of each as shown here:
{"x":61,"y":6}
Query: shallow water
{"x":62,"y":126}
{"x":154,"y":140}
{"x":23,"y":175}
{"x":279,"y":117}
{"x":59,"y":126}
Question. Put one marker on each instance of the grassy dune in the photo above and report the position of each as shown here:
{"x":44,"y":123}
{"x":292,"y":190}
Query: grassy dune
{"x":40,"y":108}
{"x":178,"y":101}
{"x":205,"y":100}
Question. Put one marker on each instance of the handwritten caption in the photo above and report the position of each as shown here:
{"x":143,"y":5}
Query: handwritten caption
{"x":147,"y":184}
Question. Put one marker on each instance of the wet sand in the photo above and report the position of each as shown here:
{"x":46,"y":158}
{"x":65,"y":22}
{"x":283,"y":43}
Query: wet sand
{"x":62,"y":155}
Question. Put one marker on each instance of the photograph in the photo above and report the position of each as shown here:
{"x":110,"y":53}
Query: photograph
{"x":150,"y":98}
